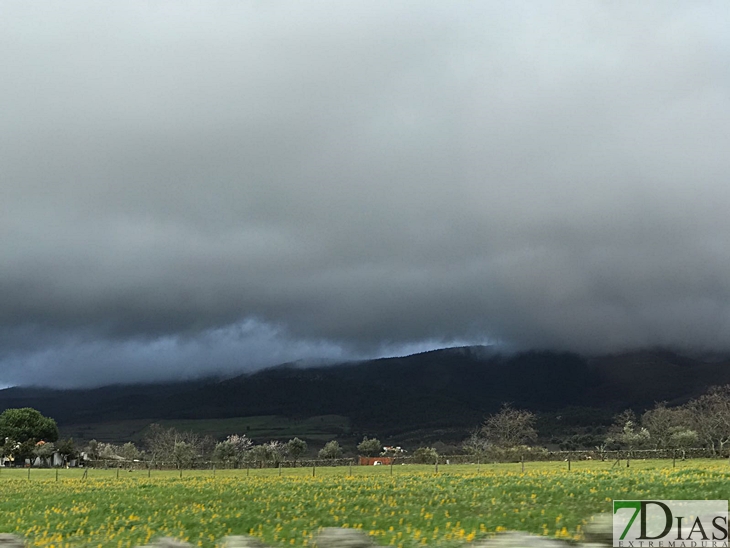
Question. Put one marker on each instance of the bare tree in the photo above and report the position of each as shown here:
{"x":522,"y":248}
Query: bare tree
{"x":709,"y":416}
{"x":510,"y":427}
{"x":164,"y":445}
{"x":662,"y":422}
{"x":476,"y":445}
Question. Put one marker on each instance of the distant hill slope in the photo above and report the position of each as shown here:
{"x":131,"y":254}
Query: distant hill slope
{"x":444,"y":391}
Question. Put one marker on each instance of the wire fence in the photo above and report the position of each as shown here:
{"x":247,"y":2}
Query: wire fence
{"x":202,"y":464}
{"x":497,"y":455}
{"x":350,"y":466}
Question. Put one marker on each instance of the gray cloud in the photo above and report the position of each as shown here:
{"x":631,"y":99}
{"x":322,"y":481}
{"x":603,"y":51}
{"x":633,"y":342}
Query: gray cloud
{"x":82,"y":359}
{"x":357,"y":178}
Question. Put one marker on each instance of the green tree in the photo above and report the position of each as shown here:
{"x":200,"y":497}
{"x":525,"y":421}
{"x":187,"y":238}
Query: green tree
{"x":275,"y":451}
{"x":295,"y":448}
{"x":225,"y":453}
{"x":67,"y":449}
{"x":10,"y":447}
{"x":369,"y":447}
{"x":108,"y":451}
{"x":683,"y":439}
{"x":259,"y":454}
{"x":331,"y":450}
{"x":24,"y":451}
{"x":26,"y":424}
{"x":183,"y":454}
{"x":129,"y":451}
{"x":92,"y":450}
{"x":44,"y":451}
{"x":425,"y":455}
{"x":233,"y":450}
{"x":634,"y":437}
{"x":626,"y":433}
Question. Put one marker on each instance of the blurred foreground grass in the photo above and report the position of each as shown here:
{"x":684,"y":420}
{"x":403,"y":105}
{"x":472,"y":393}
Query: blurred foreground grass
{"x":413,"y":506}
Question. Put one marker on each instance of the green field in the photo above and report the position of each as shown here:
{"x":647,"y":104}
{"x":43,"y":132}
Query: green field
{"x":413,"y":506}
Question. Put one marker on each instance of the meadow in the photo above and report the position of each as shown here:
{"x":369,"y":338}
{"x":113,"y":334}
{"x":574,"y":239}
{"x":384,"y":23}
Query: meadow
{"x":414,"y":506}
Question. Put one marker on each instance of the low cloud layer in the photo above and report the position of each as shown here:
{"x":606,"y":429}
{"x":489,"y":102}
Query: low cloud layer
{"x":202,"y":187}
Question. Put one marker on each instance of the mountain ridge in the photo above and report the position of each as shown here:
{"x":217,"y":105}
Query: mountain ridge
{"x":448,"y":390}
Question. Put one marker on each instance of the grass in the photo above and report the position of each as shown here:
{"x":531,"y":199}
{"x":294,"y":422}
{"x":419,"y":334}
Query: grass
{"x":412,"y":507}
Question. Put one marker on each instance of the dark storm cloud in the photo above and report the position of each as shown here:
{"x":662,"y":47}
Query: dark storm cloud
{"x":80,"y":359}
{"x":353,"y":178}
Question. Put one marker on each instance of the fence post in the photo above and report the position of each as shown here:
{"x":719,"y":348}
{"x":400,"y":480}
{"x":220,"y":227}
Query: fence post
{"x":522,"y":461}
{"x":391,"y":465}
{"x":349,"y":468}
{"x":437,"y":465}
{"x":569,"y":463}
{"x":181,"y":472}
{"x":29,"y":472}
{"x":674,"y":458}
{"x":314,"y":465}
{"x":117,"y":472}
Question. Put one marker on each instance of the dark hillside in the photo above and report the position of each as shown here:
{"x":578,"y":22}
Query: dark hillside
{"x":443,"y":392}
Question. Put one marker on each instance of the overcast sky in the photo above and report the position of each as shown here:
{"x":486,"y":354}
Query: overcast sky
{"x":197,"y":187}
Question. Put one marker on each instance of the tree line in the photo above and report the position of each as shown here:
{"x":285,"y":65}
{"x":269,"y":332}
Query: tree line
{"x":701,"y":422}
{"x":26,"y":434}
